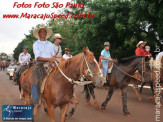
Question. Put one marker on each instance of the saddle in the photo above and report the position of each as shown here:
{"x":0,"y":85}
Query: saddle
{"x":48,"y":68}
{"x":110,"y":65}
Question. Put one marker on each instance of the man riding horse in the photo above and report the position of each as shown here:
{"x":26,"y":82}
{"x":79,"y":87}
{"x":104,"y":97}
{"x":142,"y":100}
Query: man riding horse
{"x":44,"y":52}
{"x":57,"y":48}
{"x":106,"y":58}
{"x":140,"y":51}
{"x":24,"y":59}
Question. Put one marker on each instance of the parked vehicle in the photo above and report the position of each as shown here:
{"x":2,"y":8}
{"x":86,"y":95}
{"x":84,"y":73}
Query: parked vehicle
{"x":11,"y":71}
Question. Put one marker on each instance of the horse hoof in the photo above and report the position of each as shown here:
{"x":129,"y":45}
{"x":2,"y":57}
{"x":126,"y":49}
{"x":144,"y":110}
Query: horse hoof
{"x":127,"y":114}
{"x":97,"y":107}
{"x":21,"y":98}
{"x":46,"y":110}
{"x":35,"y":111}
{"x":151,"y":98}
{"x":103,"y":109}
{"x":89,"y":104}
{"x":67,"y":117}
{"x":140,"y":100}
{"x":70,"y":115}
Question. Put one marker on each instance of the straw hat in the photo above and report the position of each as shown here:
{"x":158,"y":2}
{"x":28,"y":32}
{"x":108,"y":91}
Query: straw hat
{"x":106,"y":44}
{"x":36,"y":32}
{"x":66,"y":49}
{"x":141,"y":42}
{"x":57,"y":36}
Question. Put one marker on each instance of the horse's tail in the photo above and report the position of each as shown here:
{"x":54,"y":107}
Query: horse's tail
{"x":86,"y":91}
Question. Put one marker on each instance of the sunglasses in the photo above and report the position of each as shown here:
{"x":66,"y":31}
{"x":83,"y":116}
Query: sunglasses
{"x":59,"y":38}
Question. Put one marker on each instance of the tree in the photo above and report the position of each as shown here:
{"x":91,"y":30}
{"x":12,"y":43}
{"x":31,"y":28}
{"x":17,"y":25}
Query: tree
{"x":121,"y":22}
{"x":147,"y":19}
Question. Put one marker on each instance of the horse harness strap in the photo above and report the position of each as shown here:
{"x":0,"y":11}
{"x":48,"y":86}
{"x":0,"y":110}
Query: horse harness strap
{"x":143,"y":70}
{"x":143,"y":67}
{"x":45,"y":79}
{"x":71,"y":80}
{"x":88,"y":71}
{"x":125,"y":72}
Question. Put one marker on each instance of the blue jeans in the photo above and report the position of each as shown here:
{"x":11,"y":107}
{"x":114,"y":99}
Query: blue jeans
{"x":18,"y":70}
{"x":105,"y":68}
{"x":35,"y":94}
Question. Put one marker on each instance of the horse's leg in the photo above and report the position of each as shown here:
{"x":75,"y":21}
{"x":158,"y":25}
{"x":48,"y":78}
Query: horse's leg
{"x":75,"y":103}
{"x":124,"y":100}
{"x":151,"y":85}
{"x":64,"y":109}
{"x":27,"y":98}
{"x":94,"y":98}
{"x":44,"y":105}
{"x":51,"y":114}
{"x":136,"y":92}
{"x":143,"y":83}
{"x":21,"y":94}
{"x":110,"y":93}
{"x":87,"y":94}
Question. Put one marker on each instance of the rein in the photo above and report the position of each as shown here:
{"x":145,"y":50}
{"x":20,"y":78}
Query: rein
{"x":71,"y":80}
{"x":143,"y":70}
{"x":88,"y":72}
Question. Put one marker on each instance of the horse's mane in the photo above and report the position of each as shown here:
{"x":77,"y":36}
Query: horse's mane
{"x":157,"y":63}
{"x":129,"y":59}
{"x":65,"y":63}
{"x":73,"y":60}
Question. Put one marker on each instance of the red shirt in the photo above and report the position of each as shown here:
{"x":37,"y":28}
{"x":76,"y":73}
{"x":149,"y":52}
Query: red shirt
{"x":100,"y":59}
{"x":140,"y":52}
{"x":148,"y":54}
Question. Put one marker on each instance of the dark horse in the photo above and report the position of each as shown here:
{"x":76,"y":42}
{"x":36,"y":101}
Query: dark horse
{"x":121,"y":75}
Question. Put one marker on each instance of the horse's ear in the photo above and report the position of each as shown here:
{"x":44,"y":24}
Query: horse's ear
{"x":87,"y":48}
{"x":85,"y":51}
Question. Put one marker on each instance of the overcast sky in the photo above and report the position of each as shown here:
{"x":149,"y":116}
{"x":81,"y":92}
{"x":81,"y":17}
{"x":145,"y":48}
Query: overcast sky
{"x":12,"y":30}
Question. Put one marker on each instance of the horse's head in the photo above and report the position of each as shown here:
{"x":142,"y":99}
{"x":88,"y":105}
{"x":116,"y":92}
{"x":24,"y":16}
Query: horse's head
{"x":91,"y":69}
{"x":145,"y":69}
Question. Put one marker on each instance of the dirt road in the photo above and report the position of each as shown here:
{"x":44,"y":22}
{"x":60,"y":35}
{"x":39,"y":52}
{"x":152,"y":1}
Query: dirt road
{"x":140,"y":111}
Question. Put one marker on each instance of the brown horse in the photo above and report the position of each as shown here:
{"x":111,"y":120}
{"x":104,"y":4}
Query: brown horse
{"x":58,"y":90}
{"x":154,"y":75}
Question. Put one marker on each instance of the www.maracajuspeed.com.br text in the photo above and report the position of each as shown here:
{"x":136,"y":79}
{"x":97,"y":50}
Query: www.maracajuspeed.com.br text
{"x":46,"y":16}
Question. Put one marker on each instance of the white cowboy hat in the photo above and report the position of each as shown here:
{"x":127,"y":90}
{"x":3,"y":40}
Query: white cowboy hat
{"x":106,"y":44}
{"x":141,"y":42}
{"x":57,"y":36}
{"x":36,"y":32}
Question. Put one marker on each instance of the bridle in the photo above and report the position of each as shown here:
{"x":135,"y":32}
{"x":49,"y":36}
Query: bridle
{"x":88,"y":73}
{"x":143,"y":69}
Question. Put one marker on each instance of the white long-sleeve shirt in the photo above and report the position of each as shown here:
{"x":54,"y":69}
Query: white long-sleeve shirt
{"x":24,"y":58}
{"x":43,"y":49}
{"x":66,"y":56}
